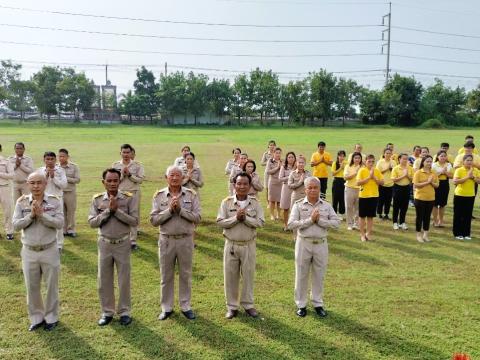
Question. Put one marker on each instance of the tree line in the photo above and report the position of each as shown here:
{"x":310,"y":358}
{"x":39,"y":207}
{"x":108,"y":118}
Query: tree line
{"x":259,"y":95}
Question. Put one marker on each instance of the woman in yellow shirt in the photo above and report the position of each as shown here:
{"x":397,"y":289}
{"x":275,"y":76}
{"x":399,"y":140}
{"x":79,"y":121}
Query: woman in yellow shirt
{"x":402,"y":176}
{"x":352,"y":189}
{"x":385,"y":165}
{"x":368,"y":178}
{"x":465,"y":178}
{"x":425,"y":181}
{"x":338,"y":186}
{"x":443,"y":169}
{"x":320,"y":162}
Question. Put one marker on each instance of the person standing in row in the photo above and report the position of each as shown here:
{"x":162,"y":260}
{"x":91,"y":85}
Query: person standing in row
{"x":369,"y":179}
{"x":311,"y":217}
{"x":358,"y":148}
{"x":176,"y":210}
{"x":417,"y":150}
{"x":230,"y":165}
{"x":286,"y":195}
{"x":385,"y":165}
{"x":70,"y":192}
{"x":296,"y":180}
{"x":338,"y":186}
{"x":256,"y":184}
{"x":352,"y":190}
{"x":238,"y":168}
{"x":444,"y":170}
{"x":180,"y":161}
{"x":132,"y":176}
{"x":274,"y":184}
{"x":39,"y":216}
{"x":445,"y":147}
{"x":424,"y":181}
{"x":239,"y":216}
{"x":320,"y":162}
{"x":266,"y":157}
{"x":23,"y":166}
{"x":465,"y":178}
{"x":192,"y":175}
{"x":6,"y":176}
{"x":425,"y":151}
{"x":468,"y":149}
{"x":113,"y":213}
{"x":468,"y":139}
{"x":56,"y":183}
{"x":402,"y":176}
{"x":392,"y":149}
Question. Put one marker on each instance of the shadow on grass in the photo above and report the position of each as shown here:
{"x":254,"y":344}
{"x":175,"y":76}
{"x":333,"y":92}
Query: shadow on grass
{"x":11,"y":270}
{"x":303,"y":344}
{"x":386,"y":344}
{"x":12,"y":248}
{"x":147,"y":255}
{"x":65,"y":344}
{"x":78,"y":264}
{"x":220,"y":338}
{"x":355,"y":256}
{"x":84,"y":245}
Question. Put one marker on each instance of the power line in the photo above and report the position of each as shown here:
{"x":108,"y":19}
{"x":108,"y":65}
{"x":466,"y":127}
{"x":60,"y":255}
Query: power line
{"x":306,"y":2}
{"x":183,"y":37}
{"x":110,"y":17}
{"x":436,"y":59}
{"x":436,"y":10}
{"x":436,"y":32}
{"x":186,"y":53}
{"x":435,"y":46}
{"x":435,"y":74}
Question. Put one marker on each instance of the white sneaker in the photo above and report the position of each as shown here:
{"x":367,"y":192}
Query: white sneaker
{"x":467,"y":238}
{"x":340,"y":217}
{"x":395,"y":226}
{"x":404,"y":226}
{"x":420,"y":237}
{"x":355,"y":226}
{"x":349,"y":228}
{"x":459,"y":237}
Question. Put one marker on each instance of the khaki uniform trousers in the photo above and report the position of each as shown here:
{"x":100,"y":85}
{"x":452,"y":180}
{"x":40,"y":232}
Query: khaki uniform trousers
{"x":310,"y":256}
{"x":171,"y":251}
{"x":69,"y":208}
{"x":134,"y":229}
{"x":110,"y":255}
{"x":19,"y":189}
{"x":351,"y":205}
{"x":239,"y":262}
{"x":37,"y":265}
{"x":60,"y":237}
{"x":7,"y":206}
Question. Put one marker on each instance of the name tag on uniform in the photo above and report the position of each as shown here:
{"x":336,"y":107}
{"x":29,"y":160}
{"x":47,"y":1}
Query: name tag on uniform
{"x":187,"y":201}
{"x":48,"y":207}
{"x":26,"y":210}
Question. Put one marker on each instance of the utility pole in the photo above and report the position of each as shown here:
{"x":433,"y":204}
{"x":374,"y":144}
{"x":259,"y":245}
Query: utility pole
{"x":166,"y":68}
{"x":388,"y":31}
{"x":106,"y":74}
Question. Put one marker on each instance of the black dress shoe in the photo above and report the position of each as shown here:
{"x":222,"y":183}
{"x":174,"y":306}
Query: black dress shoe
{"x":320,"y":311}
{"x":50,"y":326}
{"x":165,"y":315}
{"x":105,"y":320}
{"x":10,"y":237}
{"x":134,"y":247}
{"x":231,"y":314}
{"x":302,"y":312}
{"x":189,"y":314}
{"x":125,"y":320}
{"x":251,"y":312}
{"x":36,"y":326}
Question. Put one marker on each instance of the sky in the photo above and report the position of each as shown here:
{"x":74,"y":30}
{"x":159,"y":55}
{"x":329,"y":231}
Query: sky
{"x":290,"y":37}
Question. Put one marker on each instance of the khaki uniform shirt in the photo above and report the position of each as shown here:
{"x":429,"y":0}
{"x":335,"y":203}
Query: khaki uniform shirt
{"x":133,"y":181}
{"x":196,"y":180}
{"x":182,"y":223}
{"x":113,"y":225}
{"x":294,"y":181}
{"x":38,"y":230}
{"x":300,"y":218}
{"x":58,"y":183}
{"x":73,"y":176}
{"x":6,"y":171}
{"x":256,"y":184}
{"x":25,"y":168}
{"x":236,"y":169}
{"x":240,"y":230}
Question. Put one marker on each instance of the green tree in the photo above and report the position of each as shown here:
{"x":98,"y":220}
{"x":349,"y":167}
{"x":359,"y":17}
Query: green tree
{"x":371,"y":107}
{"x":76,"y":91}
{"x":146,"y":89}
{"x":220,"y":97}
{"x":323,"y":95}
{"x":442,"y":102}
{"x":348,"y":93}
{"x":196,"y":94}
{"x":241,"y":97}
{"x":47,"y":96}
{"x":172,"y":94}
{"x":294,"y":98}
{"x":264,"y":89}
{"x":9,"y":72}
{"x":402,"y":96}
{"x":473,"y":101}
{"x":20,"y":97}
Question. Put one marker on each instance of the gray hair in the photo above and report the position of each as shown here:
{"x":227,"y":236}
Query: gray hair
{"x":37,"y":173}
{"x":310,"y":179}
{"x":172,"y":168}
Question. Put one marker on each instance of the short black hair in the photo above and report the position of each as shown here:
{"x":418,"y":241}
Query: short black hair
{"x":65,"y":151}
{"x":321,"y":143}
{"x":236,"y":149}
{"x":242,"y":174}
{"x":19,"y":143}
{"x":49,"y":153}
{"x":249,"y":161}
{"x":470,"y":145}
{"x":469,"y":137}
{"x":445,"y":145}
{"x":126,"y":146}
{"x":422,"y":163}
{"x":111,"y":170}
{"x":191,"y":154}
{"x":272,"y":142}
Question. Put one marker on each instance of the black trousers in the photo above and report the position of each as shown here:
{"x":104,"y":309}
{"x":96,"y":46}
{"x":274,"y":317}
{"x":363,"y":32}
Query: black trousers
{"x":423,"y":210}
{"x":401,"y":196}
{"x":323,"y":187}
{"x":462,"y":215}
{"x":384,"y":199}
{"x":338,"y":195}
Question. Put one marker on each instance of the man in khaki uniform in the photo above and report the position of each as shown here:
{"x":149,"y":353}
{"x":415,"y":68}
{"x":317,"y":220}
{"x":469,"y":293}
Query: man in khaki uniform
{"x":23,"y":166}
{"x":113,"y":212}
{"x":176,"y":210}
{"x":311,"y":217}
{"x":132,"y":176}
{"x":70,"y":192}
{"x":39,"y":215}
{"x":56,"y":183}
{"x":239,"y":216}
{"x":6,"y":176}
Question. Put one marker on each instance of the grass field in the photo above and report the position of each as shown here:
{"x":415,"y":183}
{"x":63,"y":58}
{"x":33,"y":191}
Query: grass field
{"x":391,"y":299}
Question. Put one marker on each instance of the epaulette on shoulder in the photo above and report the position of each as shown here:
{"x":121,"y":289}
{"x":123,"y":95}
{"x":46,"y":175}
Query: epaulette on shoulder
{"x":228,"y":198}
{"x":97,"y":195}
{"x":54,"y":196}
{"x":190,"y":190}
{"x":252,"y":197}
{"x":23,"y":197}
{"x":126,"y":193}
{"x":299,"y":201}
{"x":158,"y":192}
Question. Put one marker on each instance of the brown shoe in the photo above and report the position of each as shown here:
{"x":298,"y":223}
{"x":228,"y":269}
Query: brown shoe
{"x":231,"y":314}
{"x":251,"y":312}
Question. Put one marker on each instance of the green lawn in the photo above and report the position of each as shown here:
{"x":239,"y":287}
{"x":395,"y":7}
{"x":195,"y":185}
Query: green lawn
{"x":391,"y":299}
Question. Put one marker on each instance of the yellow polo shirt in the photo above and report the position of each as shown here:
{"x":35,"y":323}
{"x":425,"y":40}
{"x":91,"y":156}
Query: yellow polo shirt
{"x":370,"y":189}
{"x":459,"y":161}
{"x":398,"y":171}
{"x":349,"y":170}
{"x":383,"y":164}
{"x":321,"y":170}
{"x":349,"y":159}
{"x":426,"y":193}
{"x":468,"y":187}
{"x":341,"y":172}
{"x":462,"y":151}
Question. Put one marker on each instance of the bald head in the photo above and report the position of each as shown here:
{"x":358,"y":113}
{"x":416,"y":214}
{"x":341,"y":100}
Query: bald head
{"x":37,"y":182}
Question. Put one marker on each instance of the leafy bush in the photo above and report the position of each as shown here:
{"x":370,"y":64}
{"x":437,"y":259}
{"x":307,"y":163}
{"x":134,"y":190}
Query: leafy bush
{"x":432,"y":124}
